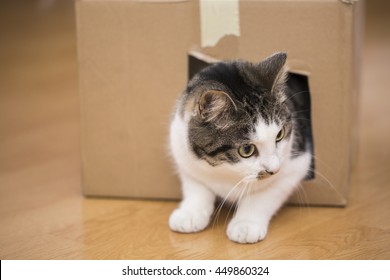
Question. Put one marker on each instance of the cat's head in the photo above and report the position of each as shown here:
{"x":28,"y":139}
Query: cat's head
{"x":238,"y":117}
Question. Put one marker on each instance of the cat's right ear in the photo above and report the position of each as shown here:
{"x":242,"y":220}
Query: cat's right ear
{"x":215,"y":105}
{"x":274,"y":71}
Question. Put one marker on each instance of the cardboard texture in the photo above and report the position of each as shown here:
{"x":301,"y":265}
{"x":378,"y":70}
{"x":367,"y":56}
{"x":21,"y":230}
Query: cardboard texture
{"x":133,"y":61}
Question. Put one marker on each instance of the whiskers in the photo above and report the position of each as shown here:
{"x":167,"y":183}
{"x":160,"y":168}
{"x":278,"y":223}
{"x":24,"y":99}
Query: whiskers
{"x":328,"y":183}
{"x":295,"y":94}
{"x":303,"y":204}
{"x":323,"y":182}
{"x":301,"y":196}
{"x":240,"y":191}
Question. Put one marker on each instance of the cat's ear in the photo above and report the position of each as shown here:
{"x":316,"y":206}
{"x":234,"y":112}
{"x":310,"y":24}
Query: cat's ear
{"x":273,"y":71}
{"x":215,"y":105}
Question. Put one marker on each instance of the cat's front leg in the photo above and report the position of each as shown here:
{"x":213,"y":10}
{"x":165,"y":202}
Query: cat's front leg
{"x":196,"y":208}
{"x":247,"y":230}
{"x":254,"y":212}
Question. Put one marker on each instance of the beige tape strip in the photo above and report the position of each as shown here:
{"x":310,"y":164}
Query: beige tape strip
{"x":218,"y":18}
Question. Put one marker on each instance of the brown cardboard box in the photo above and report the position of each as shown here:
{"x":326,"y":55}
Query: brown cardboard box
{"x":133,"y":65}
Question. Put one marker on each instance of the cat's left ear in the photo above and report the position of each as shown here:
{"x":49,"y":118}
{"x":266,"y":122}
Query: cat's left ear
{"x":274,"y":71}
{"x":215,"y":105}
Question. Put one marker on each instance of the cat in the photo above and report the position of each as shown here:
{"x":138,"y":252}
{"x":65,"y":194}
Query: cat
{"x":236,"y":134}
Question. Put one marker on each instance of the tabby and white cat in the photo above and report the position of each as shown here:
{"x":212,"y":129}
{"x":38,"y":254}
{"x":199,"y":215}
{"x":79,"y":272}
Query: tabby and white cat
{"x":235,"y":134}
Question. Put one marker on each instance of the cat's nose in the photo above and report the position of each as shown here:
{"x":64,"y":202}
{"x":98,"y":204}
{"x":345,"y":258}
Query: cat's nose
{"x":270,"y":172}
{"x":266,"y":173}
{"x":270,"y":165}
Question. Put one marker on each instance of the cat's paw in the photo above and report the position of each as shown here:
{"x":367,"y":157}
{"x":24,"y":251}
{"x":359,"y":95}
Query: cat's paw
{"x":243,"y":231}
{"x":186,"y":221}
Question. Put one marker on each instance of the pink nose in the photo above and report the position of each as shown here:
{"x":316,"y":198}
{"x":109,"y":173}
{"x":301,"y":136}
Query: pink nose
{"x":266,"y":173}
{"x":270,"y":172}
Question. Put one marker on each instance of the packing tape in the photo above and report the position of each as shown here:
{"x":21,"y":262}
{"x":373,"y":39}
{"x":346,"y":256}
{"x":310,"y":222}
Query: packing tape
{"x":218,"y":19}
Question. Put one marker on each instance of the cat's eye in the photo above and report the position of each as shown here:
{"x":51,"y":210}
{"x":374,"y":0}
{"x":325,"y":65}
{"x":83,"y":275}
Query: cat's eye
{"x":280,"y":135}
{"x":247,"y":150}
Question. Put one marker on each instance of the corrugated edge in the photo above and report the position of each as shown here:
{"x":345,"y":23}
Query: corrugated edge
{"x":349,"y":2}
{"x":358,"y":33}
{"x":77,"y":9}
{"x":161,"y":1}
{"x":354,"y":16}
{"x":202,"y":56}
{"x":146,"y":1}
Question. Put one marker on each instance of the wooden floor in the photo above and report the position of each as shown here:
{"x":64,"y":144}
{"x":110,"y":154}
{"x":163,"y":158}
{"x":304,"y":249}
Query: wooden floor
{"x":43,"y":214}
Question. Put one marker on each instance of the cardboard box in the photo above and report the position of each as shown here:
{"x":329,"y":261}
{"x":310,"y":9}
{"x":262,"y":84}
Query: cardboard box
{"x":133,"y":61}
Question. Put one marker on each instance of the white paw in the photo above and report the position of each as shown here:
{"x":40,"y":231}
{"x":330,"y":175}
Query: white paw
{"x":186,"y":221}
{"x":243,"y":231}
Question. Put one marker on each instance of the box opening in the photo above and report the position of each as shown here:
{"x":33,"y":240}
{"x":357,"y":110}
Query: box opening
{"x":300,"y":96}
